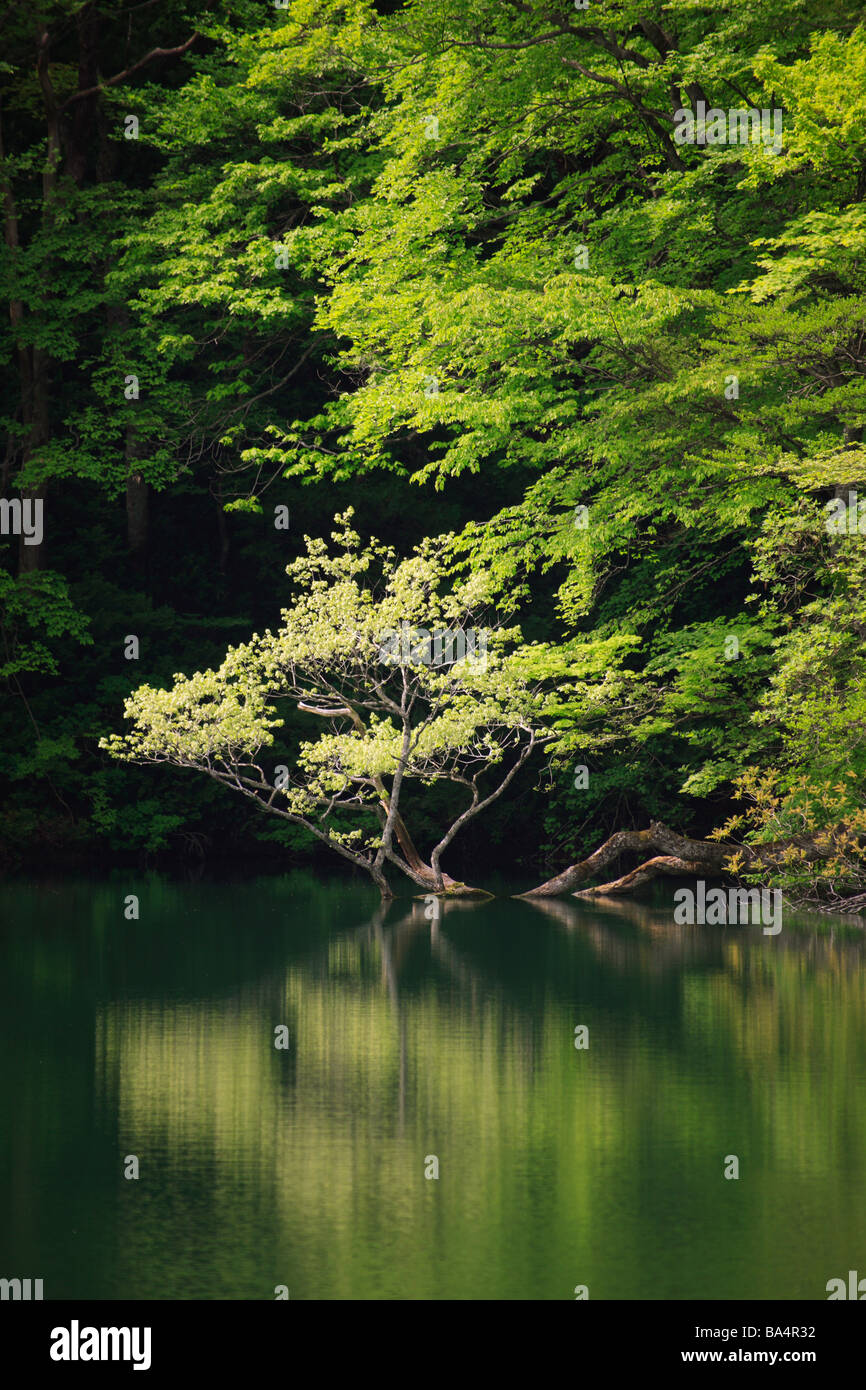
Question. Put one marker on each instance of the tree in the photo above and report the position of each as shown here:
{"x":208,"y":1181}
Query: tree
{"x":670,"y":335}
{"x":462,"y":249}
{"x":417,"y":680}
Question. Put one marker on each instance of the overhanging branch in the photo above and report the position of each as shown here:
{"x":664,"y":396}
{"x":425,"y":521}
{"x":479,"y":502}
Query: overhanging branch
{"x":127,"y":72}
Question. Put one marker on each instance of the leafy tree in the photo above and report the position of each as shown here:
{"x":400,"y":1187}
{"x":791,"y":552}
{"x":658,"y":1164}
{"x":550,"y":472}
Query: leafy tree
{"x":670,"y":336}
{"x":460,"y":251}
{"x":417,"y":680}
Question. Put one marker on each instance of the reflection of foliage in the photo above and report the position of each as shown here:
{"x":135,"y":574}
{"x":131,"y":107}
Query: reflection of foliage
{"x":551,"y":1155}
{"x":697,"y":1063}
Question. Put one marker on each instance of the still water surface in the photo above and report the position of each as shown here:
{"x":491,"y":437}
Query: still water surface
{"x":408,"y":1038}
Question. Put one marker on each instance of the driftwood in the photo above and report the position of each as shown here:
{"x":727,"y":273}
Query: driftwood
{"x":678,"y":855}
{"x":652,"y":868}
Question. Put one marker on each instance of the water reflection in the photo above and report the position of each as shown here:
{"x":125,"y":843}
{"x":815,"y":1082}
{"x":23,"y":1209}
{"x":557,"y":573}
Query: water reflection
{"x":410,"y":1037}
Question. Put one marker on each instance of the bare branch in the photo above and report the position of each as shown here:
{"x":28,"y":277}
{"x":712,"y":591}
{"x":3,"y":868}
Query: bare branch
{"x":127,"y":72}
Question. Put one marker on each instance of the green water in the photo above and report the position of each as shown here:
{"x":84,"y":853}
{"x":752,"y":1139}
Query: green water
{"x":305,"y":1167}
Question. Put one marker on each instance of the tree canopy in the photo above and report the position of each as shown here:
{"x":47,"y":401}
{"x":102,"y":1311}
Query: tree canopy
{"x":454,"y":266}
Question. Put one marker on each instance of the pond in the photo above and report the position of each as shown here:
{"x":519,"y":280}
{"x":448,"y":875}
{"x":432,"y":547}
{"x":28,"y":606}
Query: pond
{"x":416,"y":1046}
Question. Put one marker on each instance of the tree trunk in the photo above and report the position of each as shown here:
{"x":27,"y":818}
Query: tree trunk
{"x":650,"y":869}
{"x":422,"y":873}
{"x":382,"y":884}
{"x":679,"y":855}
{"x":137,"y":509}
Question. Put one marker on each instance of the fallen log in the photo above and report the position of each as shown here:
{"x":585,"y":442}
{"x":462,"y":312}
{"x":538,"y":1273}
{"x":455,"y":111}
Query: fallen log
{"x":678,"y":855}
{"x":653,"y":868}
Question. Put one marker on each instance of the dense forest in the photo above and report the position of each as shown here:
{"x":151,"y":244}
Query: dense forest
{"x":537,"y":319}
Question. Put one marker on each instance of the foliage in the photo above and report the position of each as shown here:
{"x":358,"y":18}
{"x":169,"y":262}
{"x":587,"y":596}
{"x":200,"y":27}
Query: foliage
{"x":417,"y":681}
{"x":447,"y":264}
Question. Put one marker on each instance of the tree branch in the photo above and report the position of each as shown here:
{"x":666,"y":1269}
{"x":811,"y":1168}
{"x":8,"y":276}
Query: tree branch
{"x":707,"y":856}
{"x":127,"y":72}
